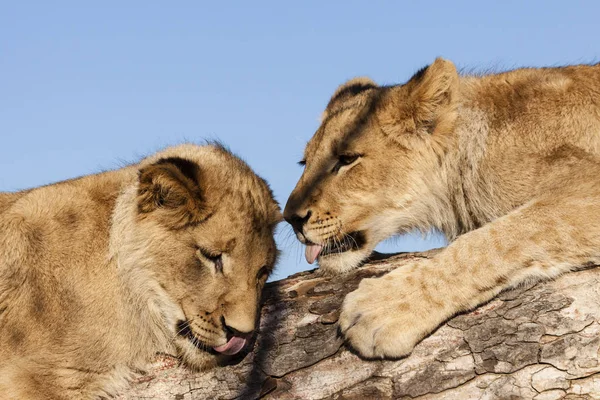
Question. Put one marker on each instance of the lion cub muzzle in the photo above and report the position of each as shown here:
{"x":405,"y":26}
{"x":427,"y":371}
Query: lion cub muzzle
{"x":235,"y":341}
{"x":323,"y":236}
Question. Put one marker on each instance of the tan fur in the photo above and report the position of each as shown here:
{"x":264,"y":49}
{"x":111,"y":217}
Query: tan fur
{"x":99,"y":273}
{"x":507,"y":166}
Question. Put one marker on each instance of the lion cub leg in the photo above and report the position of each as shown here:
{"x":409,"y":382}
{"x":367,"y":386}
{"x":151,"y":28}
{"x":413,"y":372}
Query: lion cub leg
{"x":551,"y":235}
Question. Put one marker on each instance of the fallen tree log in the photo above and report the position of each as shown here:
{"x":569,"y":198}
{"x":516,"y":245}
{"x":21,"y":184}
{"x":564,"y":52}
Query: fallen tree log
{"x":540,"y":342}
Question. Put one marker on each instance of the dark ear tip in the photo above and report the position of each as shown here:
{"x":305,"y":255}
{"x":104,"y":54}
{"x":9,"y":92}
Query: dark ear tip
{"x":352,"y":88}
{"x":172,"y":185}
{"x":188,"y":168}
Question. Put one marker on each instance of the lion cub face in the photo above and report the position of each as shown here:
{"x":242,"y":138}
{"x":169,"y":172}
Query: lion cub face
{"x":212,"y":246}
{"x":368,"y":166}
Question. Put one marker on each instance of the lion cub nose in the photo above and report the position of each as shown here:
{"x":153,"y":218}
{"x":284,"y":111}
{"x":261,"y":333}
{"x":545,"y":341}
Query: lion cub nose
{"x":235,"y":332}
{"x":239,"y":331}
{"x":297,"y":221}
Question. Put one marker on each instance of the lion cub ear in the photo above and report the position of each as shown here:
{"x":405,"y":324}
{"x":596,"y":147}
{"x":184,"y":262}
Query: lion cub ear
{"x":170,"y":190}
{"x":426,"y":103}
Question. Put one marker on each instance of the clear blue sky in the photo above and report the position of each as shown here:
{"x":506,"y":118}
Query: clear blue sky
{"x":86,"y":87}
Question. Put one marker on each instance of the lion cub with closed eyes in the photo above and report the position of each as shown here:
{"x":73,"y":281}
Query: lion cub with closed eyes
{"x":99,"y":273}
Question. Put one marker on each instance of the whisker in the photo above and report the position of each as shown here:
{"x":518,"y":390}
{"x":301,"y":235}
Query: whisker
{"x":354,"y":242}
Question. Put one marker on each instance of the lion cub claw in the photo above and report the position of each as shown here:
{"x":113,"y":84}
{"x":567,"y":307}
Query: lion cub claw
{"x":386,"y":317}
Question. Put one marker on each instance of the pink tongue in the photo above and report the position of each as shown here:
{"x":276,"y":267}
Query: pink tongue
{"x":312,"y":251}
{"x":233,"y":346}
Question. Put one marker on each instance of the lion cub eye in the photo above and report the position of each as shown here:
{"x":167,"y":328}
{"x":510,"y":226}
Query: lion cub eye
{"x":263,"y":273}
{"x":218,"y":261}
{"x":345,"y":159}
{"x":215,"y":258}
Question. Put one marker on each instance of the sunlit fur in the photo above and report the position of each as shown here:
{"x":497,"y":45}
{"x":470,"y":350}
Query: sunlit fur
{"x":505,"y":165}
{"x":99,"y":273}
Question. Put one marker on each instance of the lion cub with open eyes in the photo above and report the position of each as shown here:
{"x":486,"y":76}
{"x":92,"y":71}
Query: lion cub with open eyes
{"x":99,"y":273}
{"x":507,"y":166}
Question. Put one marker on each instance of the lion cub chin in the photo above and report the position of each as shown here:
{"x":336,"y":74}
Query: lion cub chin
{"x":99,"y":273}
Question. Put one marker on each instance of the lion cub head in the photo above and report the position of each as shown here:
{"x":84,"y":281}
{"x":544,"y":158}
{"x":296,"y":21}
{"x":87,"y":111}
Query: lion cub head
{"x":201,"y":247}
{"x":371,"y":165}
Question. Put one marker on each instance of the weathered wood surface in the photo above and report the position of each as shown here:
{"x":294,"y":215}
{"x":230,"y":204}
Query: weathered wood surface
{"x":539,"y":342}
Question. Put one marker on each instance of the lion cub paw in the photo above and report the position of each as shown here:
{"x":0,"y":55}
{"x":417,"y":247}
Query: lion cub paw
{"x":386,"y":317}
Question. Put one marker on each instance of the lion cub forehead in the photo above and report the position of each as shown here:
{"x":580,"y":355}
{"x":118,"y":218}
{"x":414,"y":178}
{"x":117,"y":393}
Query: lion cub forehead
{"x":350,"y":103}
{"x":335,"y":131}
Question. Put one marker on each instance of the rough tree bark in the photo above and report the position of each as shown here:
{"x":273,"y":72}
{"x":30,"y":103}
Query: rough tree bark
{"x":537,"y":342}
